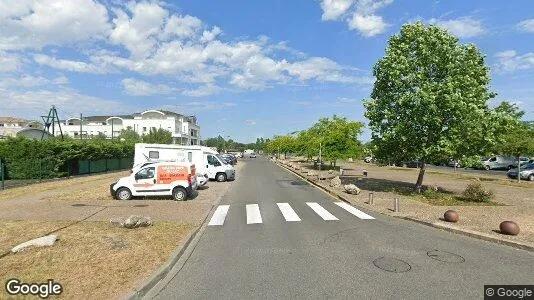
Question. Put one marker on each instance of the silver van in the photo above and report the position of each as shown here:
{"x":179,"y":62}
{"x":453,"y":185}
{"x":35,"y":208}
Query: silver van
{"x":500,"y":162}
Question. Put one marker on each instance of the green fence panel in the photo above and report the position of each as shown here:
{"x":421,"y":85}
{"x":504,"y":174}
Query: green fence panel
{"x":126,"y":163}
{"x":98,"y":166}
{"x":83,"y":166}
{"x":114,"y":164}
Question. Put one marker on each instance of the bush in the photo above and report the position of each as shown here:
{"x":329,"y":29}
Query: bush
{"x":474,"y":162}
{"x":476,"y":193}
{"x":30,"y":159}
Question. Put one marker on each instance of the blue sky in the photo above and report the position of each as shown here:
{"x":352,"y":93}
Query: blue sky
{"x":245,"y":68}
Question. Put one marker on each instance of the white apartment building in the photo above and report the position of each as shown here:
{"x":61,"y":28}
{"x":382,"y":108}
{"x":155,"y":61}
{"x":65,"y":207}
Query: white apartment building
{"x":12,"y":126}
{"x":184,"y":129}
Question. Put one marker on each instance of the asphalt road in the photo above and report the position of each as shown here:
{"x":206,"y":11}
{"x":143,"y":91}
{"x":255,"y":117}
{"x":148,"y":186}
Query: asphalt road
{"x":317,"y":258}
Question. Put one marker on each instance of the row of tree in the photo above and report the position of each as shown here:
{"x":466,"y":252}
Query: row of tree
{"x":224,"y":145}
{"x":430,"y":102}
{"x":332,"y":138}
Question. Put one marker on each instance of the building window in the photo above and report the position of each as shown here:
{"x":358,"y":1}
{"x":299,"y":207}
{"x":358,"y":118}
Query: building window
{"x":144,"y":128}
{"x":153,"y":154}
{"x":76,"y":133}
{"x":1,"y":124}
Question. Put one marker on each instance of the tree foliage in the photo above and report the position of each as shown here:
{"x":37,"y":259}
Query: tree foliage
{"x":130,"y":135}
{"x":336,"y":137}
{"x":430,"y":99}
{"x":158,"y":136}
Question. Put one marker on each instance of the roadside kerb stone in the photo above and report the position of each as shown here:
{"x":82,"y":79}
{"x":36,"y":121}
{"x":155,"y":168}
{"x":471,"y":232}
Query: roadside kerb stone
{"x":471,"y":233}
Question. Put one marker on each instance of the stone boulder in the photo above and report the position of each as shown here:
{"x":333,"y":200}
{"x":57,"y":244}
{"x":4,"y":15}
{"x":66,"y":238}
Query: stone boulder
{"x":351,"y":189}
{"x":134,"y":221}
{"x":45,"y":241}
{"x":335,"y":182}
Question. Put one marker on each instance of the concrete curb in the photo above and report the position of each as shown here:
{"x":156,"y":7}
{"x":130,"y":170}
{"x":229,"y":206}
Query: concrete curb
{"x":470,"y":233}
{"x":148,"y":284}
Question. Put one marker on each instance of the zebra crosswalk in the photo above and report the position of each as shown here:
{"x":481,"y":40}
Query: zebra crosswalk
{"x":253,"y":213}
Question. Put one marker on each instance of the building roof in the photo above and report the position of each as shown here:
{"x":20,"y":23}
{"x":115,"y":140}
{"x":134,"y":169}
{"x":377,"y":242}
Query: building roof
{"x":104,"y":118}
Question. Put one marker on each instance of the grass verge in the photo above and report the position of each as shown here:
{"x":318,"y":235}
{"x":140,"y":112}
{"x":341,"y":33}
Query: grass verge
{"x":90,"y":259}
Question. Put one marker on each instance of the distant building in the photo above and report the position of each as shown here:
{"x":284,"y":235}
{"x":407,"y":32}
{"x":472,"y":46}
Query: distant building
{"x":184,"y":129}
{"x":12,"y":127}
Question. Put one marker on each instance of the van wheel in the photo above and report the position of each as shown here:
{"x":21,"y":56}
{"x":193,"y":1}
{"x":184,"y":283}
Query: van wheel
{"x":221,"y":177}
{"x":531,"y":177}
{"x":179,"y":194}
{"x":487,"y":167}
{"x":124,"y":194}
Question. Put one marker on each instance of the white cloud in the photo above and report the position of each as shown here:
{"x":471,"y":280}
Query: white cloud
{"x":510,"y":61}
{"x":368,"y":25}
{"x":69,"y":102}
{"x":333,"y":9}
{"x":68,"y":65}
{"x":34,"y":24}
{"x":9,"y":61}
{"x":29,"y":81}
{"x":204,"y":90}
{"x":363,"y":17}
{"x":526,"y":25}
{"x":464,"y":27}
{"x":145,"y":38}
{"x":250,"y":122}
{"x":136,"y":87}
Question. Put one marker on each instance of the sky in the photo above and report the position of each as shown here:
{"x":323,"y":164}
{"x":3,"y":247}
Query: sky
{"x":246,"y":69}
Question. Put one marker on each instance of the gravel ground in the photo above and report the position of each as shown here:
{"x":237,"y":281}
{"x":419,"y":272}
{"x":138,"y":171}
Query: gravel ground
{"x":518,"y":200}
{"x":88,"y":198}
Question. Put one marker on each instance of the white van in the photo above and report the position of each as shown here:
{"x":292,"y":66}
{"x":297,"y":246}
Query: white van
{"x":206,"y":160}
{"x":500,"y":162}
{"x":176,"y":179}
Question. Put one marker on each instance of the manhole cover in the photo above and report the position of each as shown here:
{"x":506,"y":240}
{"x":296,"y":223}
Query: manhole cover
{"x":78,"y":204}
{"x":298,"y":182}
{"x":140,"y":205}
{"x":445,"y":256}
{"x":392,"y":265}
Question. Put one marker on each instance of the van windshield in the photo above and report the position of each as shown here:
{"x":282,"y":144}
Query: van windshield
{"x":221,"y":159}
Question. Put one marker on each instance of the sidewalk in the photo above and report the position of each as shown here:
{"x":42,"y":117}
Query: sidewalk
{"x":474,"y":220}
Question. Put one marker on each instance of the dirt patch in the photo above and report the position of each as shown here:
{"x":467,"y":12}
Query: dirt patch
{"x":91,"y":259}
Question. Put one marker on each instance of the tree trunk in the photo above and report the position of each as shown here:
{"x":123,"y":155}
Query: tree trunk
{"x":419,"y":183}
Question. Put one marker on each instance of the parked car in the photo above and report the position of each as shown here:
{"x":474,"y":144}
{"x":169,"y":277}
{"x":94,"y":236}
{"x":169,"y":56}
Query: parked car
{"x":413,"y":164}
{"x":368,"y":159}
{"x":176,"y":179}
{"x":229,"y":158}
{"x":527,"y":172}
{"x":500,"y":162}
{"x":252,"y":155}
{"x":455,"y":164}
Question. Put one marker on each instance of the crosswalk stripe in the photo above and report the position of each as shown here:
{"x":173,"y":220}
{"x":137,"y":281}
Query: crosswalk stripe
{"x":289,"y":214}
{"x":318,"y":209}
{"x":253,"y":214}
{"x":219,"y":215}
{"x":353,"y":210}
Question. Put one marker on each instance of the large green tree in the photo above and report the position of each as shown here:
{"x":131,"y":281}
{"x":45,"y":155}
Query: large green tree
{"x":430,"y":99}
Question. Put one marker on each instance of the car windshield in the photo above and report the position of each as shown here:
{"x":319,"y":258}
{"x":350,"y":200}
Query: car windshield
{"x":528,"y":166}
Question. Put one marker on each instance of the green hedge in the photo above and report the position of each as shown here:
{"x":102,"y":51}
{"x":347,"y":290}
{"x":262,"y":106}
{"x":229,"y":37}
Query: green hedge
{"x":31,"y":159}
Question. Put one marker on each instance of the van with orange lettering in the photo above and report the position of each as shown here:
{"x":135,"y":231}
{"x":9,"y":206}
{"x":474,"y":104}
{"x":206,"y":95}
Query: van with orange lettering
{"x":176,"y":179}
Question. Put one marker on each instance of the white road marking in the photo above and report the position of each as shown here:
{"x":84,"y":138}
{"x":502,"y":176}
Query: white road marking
{"x":318,"y":209}
{"x":253,"y":214}
{"x":289,"y":214}
{"x":353,"y":210}
{"x":219,"y":215}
